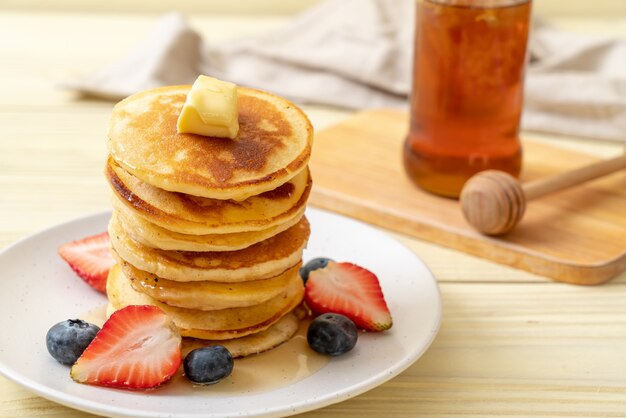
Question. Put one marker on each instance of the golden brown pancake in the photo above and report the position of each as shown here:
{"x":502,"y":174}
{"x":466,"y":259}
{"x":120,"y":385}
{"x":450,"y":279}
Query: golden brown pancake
{"x":251,"y":344}
{"x":207,"y":295}
{"x":273,"y":145}
{"x":209,"y":325}
{"x":248,"y":345}
{"x":200,"y":216}
{"x":154,"y":236}
{"x":262,"y":260}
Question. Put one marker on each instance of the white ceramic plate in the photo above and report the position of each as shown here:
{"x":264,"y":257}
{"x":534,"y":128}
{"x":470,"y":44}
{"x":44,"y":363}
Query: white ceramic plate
{"x":37,"y":289}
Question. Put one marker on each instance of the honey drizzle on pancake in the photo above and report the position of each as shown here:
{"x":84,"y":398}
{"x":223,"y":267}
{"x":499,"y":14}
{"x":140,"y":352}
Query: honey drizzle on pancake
{"x":192,"y":203}
{"x":193,"y":210}
{"x":126,"y":193}
{"x":281,"y":192}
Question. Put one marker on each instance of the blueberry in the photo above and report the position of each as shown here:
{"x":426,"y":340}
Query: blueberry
{"x":332,"y":334}
{"x":67,"y":340}
{"x":208,"y":365}
{"x":314,"y":264}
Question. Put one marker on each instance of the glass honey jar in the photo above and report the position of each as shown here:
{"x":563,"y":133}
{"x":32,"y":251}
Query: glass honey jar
{"x":466,"y":102}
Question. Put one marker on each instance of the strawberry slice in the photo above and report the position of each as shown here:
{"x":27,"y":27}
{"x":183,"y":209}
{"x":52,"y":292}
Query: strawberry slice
{"x":90,"y":258}
{"x":138,"y":347}
{"x":350,"y":290}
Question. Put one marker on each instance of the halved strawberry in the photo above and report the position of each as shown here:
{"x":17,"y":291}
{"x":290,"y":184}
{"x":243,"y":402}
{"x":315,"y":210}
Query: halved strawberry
{"x":138,"y":347}
{"x":350,"y":290}
{"x":90,"y":258}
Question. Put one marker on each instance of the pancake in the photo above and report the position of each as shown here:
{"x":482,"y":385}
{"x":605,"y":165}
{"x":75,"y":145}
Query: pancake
{"x":265,"y":259}
{"x":209,"y":325}
{"x":207,"y":296}
{"x":199,"y":216}
{"x":251,"y":344}
{"x":272,"y":146}
{"x":154,"y":236}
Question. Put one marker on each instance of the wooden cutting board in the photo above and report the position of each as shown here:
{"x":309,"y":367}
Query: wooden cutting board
{"x":576,"y":236}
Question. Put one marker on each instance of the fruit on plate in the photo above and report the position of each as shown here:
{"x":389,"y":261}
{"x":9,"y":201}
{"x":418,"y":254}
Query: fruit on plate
{"x":313,"y":264}
{"x":138,"y":347}
{"x":90,"y":258}
{"x":350,"y":290}
{"x":332,"y":334}
{"x":208,"y":365}
{"x":67,"y":340}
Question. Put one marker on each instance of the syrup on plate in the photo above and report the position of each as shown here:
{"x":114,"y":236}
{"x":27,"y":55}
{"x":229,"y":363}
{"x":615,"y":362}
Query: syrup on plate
{"x":279,"y":367}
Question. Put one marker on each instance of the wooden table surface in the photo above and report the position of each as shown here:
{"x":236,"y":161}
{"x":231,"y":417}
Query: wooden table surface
{"x":510,"y":344}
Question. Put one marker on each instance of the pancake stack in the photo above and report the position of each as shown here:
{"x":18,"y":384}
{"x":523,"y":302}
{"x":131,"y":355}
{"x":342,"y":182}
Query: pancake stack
{"x":210,"y":229}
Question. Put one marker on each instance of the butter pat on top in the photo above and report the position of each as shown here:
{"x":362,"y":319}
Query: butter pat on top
{"x":210,"y":109}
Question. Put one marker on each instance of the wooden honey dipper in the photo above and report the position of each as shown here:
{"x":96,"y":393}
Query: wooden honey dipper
{"x":494,"y":202}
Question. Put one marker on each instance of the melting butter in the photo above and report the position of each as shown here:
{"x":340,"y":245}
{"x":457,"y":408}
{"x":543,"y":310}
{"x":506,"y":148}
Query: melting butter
{"x":210,"y":109}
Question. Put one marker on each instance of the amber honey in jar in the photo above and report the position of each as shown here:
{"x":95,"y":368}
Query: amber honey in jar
{"x":466,"y":101}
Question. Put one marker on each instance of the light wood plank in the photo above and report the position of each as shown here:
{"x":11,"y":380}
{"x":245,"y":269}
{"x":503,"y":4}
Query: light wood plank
{"x":560,"y":8}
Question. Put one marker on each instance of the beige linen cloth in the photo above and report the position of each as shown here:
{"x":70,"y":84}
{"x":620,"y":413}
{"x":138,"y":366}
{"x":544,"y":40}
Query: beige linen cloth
{"x":357,"y":54}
